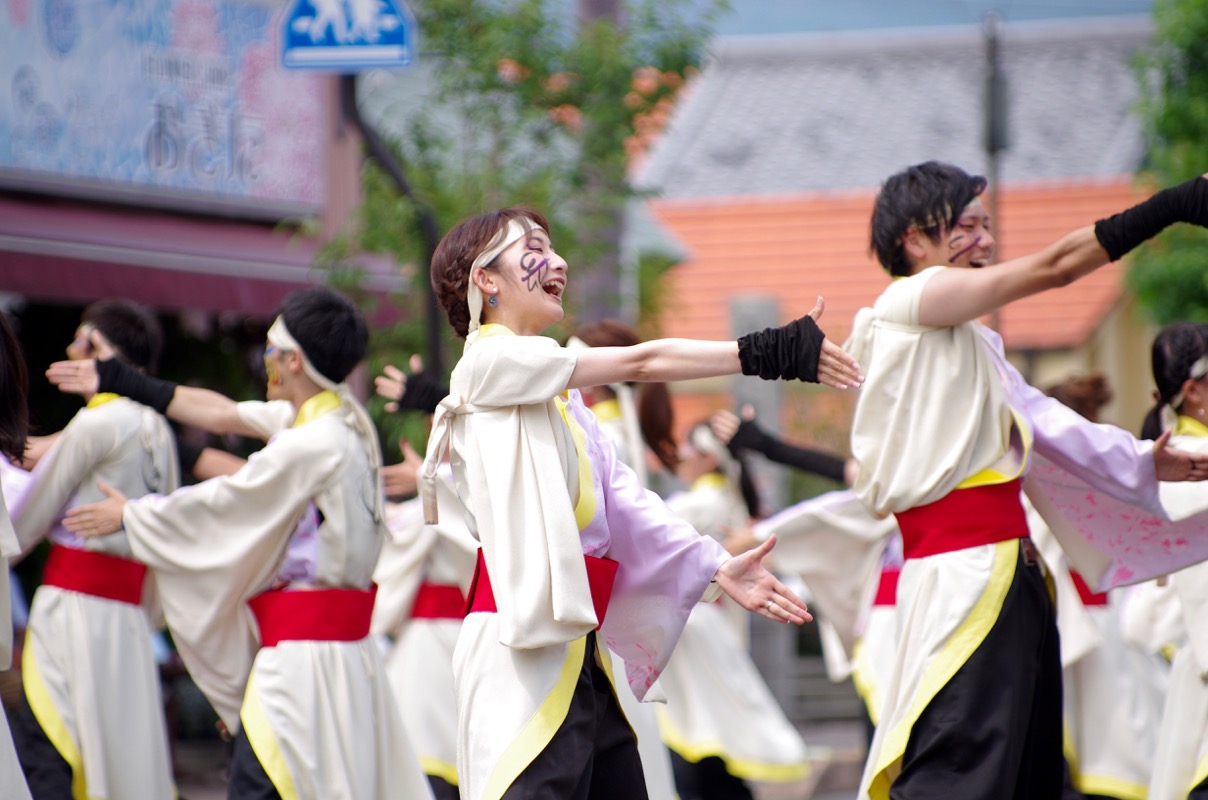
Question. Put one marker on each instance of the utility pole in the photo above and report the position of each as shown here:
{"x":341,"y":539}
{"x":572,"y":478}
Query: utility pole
{"x":995,"y":132}
{"x":604,"y":231}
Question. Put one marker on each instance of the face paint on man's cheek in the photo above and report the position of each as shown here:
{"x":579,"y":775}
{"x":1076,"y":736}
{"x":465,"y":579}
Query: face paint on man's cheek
{"x":271,"y":374}
{"x":955,"y":250}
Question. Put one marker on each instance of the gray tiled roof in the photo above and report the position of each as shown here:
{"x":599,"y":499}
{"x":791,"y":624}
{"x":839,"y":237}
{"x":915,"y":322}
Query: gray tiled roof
{"x":779,"y":114}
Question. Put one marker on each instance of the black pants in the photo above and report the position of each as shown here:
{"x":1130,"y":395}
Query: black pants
{"x":442,"y":789}
{"x":46,"y":771}
{"x":248,"y":780}
{"x":1200,"y":792}
{"x":994,"y":731}
{"x":706,"y":779}
{"x":593,"y":755}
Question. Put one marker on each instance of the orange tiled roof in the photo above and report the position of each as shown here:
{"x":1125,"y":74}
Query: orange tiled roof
{"x":795,"y":247}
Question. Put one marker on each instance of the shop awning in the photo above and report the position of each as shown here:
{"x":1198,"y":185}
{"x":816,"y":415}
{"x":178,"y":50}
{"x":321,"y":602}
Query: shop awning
{"x":73,"y":254}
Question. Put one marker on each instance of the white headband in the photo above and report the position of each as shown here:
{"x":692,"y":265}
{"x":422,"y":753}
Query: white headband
{"x":280,"y":336}
{"x":501,"y":241}
{"x":1198,"y":370}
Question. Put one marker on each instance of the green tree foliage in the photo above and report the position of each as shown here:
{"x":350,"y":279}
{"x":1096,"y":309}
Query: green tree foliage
{"x":522,"y":104}
{"x":1170,"y":275}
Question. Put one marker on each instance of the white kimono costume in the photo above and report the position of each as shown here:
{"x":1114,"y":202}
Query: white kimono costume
{"x":12,"y":781}
{"x":718,"y":704}
{"x":1112,"y":690}
{"x":88,"y":668}
{"x":1181,"y":762}
{"x":419,"y":662}
{"x":319,"y":715}
{"x":836,"y":547}
{"x":542,"y":488}
{"x":940,"y":405}
{"x":617,"y":421}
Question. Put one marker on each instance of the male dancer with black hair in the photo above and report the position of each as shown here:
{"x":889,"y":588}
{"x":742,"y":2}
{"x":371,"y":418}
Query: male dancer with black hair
{"x":265,"y":574}
{"x":91,"y":723}
{"x":944,"y":431}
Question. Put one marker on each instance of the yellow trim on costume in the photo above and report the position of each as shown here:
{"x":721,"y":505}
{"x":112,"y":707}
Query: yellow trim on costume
{"x":439,"y":769}
{"x":1190,"y":426}
{"x":1201,"y":773}
{"x":48,"y":717}
{"x":101,"y":398}
{"x":1112,"y":787}
{"x":991,"y":476}
{"x":264,"y":742}
{"x":316,"y":406}
{"x":585,"y":508}
{"x":710,"y":480}
{"x":861,"y":678}
{"x":955,"y":652}
{"x":1071,"y":756}
{"x":541,"y":727}
{"x":607,"y":410}
{"x":738,"y":767}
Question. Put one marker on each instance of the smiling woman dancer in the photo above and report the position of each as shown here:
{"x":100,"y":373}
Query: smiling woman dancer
{"x":567,"y":532}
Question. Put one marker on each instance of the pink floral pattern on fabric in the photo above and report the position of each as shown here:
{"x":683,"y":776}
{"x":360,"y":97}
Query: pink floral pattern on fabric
{"x":1139,"y":544}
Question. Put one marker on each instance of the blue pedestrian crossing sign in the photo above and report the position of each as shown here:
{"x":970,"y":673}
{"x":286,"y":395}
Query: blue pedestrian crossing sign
{"x":347,"y":35}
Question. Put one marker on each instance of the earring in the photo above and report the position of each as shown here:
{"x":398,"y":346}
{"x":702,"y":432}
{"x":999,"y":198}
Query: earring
{"x":492,"y":301}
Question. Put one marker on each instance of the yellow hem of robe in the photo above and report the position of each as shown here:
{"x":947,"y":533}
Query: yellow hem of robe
{"x":1112,"y":787}
{"x":438,"y":768}
{"x":1201,"y":774}
{"x":541,"y":727}
{"x":865,"y":686}
{"x":963,"y":643}
{"x":264,"y":743}
{"x":738,"y":767}
{"x":52,"y":723}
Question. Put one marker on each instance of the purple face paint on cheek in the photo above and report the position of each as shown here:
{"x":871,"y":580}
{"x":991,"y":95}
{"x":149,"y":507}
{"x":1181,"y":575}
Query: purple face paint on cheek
{"x":955,"y":242}
{"x":535,"y":269}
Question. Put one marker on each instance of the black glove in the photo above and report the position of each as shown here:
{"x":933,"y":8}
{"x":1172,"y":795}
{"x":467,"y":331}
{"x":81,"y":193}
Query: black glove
{"x":118,"y":377}
{"x":1187,"y":202}
{"x":750,"y":436}
{"x":790,"y":352}
{"x":422,"y":393}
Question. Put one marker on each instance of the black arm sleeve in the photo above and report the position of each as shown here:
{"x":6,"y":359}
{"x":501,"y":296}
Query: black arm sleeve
{"x":118,"y":377}
{"x":790,"y":352}
{"x":422,"y":393}
{"x":752,"y":437}
{"x":1187,"y":202}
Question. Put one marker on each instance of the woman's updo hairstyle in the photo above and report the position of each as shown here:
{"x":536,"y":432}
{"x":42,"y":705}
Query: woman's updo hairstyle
{"x":1176,"y":350}
{"x":457,"y":251}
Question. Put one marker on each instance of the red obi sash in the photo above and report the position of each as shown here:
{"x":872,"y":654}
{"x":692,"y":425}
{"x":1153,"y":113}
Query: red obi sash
{"x":601,"y":572}
{"x":964,"y":518}
{"x":438,"y":601}
{"x":1089,"y":598}
{"x":887,"y":588}
{"x":97,"y":574}
{"x":325,"y":615}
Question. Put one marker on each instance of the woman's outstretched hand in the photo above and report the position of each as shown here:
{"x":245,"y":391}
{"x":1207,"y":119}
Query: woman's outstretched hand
{"x":98,"y":519}
{"x":835,"y":366}
{"x":753,"y":587}
{"x":1172,"y":464}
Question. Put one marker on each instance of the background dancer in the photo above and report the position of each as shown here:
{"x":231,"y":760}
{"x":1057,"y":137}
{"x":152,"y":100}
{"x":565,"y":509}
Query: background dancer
{"x":91,"y":722}
{"x":284,"y":548}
